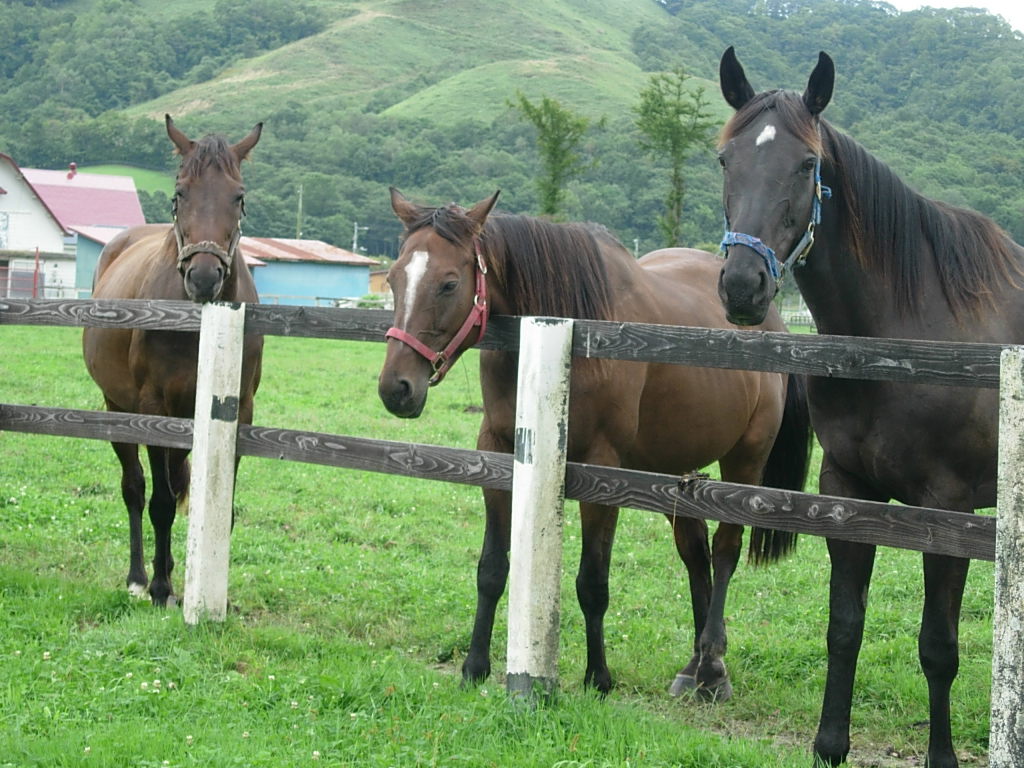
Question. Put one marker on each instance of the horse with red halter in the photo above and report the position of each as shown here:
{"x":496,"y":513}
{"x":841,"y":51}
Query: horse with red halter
{"x":154,"y":372}
{"x":456,"y":266}
{"x":871,"y":257}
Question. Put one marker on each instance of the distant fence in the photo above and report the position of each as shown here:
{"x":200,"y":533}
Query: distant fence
{"x":917,"y":528}
{"x":18,"y":282}
{"x":370,"y":301}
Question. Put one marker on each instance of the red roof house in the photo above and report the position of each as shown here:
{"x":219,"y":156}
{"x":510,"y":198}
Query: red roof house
{"x":87,"y":199}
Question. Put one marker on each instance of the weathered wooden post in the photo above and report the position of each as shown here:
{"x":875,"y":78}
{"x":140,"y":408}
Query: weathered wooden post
{"x":538,"y":496}
{"x":213,"y":462}
{"x":1006,"y":734}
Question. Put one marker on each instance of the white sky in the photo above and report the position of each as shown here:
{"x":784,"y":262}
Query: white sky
{"x":1011,"y":10}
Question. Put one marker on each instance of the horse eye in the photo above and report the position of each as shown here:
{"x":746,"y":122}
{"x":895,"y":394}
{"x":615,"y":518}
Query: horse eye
{"x":450,"y":286}
{"x":808,"y":164}
{"x":721,"y":161}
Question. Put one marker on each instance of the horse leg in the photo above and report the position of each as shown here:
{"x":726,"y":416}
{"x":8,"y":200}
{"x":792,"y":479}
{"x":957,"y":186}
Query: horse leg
{"x":743,"y":464}
{"x":133,"y":491}
{"x":170,"y":482}
{"x":944,"y":579}
{"x":691,"y":538}
{"x":491,"y":576}
{"x":852,"y":565}
{"x":598,"y":523}
{"x":712,"y":678}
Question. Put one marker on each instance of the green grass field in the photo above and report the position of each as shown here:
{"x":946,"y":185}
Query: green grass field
{"x":145,"y":179}
{"x":352,"y":597}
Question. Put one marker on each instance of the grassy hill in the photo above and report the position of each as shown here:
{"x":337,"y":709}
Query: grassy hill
{"x":438,"y":62}
{"x":357,"y":96}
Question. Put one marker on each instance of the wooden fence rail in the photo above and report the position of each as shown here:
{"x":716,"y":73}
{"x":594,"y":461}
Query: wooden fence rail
{"x":922,"y":529}
{"x":917,"y":528}
{"x":919,"y":362}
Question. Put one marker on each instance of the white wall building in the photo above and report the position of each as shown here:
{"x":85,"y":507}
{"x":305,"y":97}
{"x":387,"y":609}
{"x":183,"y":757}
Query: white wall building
{"x":34,"y":259}
{"x":41,"y":212}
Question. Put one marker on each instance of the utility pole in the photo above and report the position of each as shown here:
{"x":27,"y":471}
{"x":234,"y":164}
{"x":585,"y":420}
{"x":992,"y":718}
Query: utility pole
{"x":298,"y":217}
{"x":355,"y":235}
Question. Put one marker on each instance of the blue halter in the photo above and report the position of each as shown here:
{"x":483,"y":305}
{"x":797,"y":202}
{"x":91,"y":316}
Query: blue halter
{"x":800,"y":250}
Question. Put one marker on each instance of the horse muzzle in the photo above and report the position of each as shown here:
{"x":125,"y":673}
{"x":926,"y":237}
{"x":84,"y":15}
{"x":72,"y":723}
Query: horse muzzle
{"x":404,"y":381}
{"x":746,"y":294}
{"x":204,"y":280}
{"x":205,"y":266}
{"x":401,"y":396}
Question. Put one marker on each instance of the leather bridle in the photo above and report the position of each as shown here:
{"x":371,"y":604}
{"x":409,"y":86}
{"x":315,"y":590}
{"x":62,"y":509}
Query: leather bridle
{"x":442,"y":361}
{"x":187,"y":251}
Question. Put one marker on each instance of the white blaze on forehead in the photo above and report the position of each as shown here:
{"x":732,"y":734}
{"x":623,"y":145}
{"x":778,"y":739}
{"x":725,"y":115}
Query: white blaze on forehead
{"x":766,"y":135}
{"x":414,"y":272}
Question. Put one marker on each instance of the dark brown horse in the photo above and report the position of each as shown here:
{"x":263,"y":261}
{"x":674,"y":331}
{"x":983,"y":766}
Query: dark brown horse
{"x":456,"y":265}
{"x":889,"y":263}
{"x":154,"y":372}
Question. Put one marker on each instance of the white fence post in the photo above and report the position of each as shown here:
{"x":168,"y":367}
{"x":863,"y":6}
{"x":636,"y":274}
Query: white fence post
{"x":538,"y":496}
{"x":213,"y":462}
{"x":1006,"y":728}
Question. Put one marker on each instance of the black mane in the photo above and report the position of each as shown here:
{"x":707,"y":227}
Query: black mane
{"x":886,"y":221}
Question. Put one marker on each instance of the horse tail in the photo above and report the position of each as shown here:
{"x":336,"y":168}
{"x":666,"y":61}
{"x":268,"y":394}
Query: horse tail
{"x":786,"y":468}
{"x":180,"y":485}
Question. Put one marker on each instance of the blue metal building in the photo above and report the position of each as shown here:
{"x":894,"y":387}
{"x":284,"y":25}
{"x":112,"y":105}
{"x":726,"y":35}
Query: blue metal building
{"x":307,"y":272}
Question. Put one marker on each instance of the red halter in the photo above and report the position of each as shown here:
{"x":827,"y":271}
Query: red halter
{"x":442,"y":361}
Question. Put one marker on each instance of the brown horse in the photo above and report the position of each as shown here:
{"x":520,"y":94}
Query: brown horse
{"x":154,"y":372}
{"x":874,"y":259}
{"x":456,"y":265}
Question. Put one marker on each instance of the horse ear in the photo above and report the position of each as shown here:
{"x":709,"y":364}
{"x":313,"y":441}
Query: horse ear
{"x":735,"y":87}
{"x":820,"y":84}
{"x":478,"y":213}
{"x":180,"y":140}
{"x":406,"y":212}
{"x":244,"y":147}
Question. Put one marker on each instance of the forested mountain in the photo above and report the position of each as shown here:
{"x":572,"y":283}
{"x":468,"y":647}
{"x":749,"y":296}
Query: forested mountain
{"x":357,"y":96}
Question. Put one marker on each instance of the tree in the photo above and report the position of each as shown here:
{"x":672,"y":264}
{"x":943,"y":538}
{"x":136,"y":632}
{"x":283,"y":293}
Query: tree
{"x":673,"y":122}
{"x":559,"y":133}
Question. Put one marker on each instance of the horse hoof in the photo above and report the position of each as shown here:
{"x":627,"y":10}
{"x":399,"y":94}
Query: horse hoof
{"x":138,"y":591}
{"x":472,"y":675}
{"x":687,"y":684}
{"x":682,"y":684}
{"x":715,"y":694}
{"x":163,"y":600}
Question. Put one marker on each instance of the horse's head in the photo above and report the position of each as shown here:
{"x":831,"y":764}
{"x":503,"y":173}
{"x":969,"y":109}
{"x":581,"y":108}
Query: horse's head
{"x":208,"y":209}
{"x":440,"y":297}
{"x":771,"y":158}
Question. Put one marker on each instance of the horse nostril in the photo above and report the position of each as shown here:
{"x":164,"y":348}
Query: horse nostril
{"x":203,"y":284}
{"x":723,"y":294}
